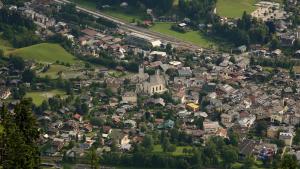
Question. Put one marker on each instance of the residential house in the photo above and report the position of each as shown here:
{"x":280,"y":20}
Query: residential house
{"x":222,"y":132}
{"x":157,"y":55}
{"x":75,"y":152}
{"x":158,"y":101}
{"x":273,"y":132}
{"x":178,"y":94}
{"x":226,"y":88}
{"x":226,"y":119}
{"x":4,"y":93}
{"x":241,"y":49}
{"x":89,"y":32}
{"x":130,"y":124}
{"x":78,"y":117}
{"x":185,"y":72}
{"x":175,"y":64}
{"x":287,"y":40}
{"x":211,"y":127}
{"x":287,"y":137}
{"x":246,"y":147}
{"x":193,"y":107}
{"x":129,"y":97}
{"x":184,"y":114}
{"x":119,"y":137}
{"x":57,"y":145}
{"x":265,"y":151}
{"x":294,"y":119}
{"x":277,"y":113}
{"x":247,"y":121}
{"x":196,"y":134}
{"x":168,"y":124}
{"x":107,"y":129}
{"x":114,"y":83}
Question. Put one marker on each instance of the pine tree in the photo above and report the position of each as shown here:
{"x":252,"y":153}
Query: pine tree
{"x":18,"y":139}
{"x":93,"y":158}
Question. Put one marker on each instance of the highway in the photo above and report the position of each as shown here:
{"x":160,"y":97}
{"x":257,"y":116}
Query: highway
{"x":132,"y":28}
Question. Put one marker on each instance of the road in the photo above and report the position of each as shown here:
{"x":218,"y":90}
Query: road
{"x":132,"y":28}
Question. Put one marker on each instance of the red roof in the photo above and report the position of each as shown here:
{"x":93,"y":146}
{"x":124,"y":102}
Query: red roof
{"x":77,"y":116}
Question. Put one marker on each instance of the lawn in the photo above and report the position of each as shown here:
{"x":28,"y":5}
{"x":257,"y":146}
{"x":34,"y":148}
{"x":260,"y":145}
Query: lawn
{"x":235,"y":8}
{"x":89,"y":4}
{"x":268,"y":69}
{"x":127,"y":17}
{"x":45,"y":52}
{"x":258,"y":165}
{"x":53,"y":71}
{"x":116,"y":74}
{"x":67,"y":72}
{"x":194,"y":37}
{"x":178,"y":152}
{"x":39,"y":96}
{"x":118,"y":13}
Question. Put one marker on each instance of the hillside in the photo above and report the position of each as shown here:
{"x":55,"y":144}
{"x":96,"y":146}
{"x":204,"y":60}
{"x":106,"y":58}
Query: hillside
{"x":44,"y":52}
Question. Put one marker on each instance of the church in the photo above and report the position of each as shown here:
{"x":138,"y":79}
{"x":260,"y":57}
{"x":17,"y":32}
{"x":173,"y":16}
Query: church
{"x":152,"y":84}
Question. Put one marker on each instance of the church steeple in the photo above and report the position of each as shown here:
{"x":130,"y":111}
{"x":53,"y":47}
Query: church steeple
{"x":141,"y":70}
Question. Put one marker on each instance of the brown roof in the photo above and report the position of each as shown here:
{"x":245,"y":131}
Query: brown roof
{"x":106,"y":129}
{"x":89,"y":32}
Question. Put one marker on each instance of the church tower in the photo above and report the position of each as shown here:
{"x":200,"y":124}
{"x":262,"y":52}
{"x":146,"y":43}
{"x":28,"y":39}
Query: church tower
{"x":141,"y":70}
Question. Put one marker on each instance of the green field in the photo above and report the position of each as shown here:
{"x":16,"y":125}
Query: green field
{"x":40,"y":96}
{"x":45,"y":53}
{"x":235,"y":8}
{"x":116,"y":74}
{"x":125,"y":16}
{"x":194,"y":37}
{"x":178,"y":152}
{"x":67,"y":72}
{"x":258,"y":165}
{"x":53,"y":71}
{"x":89,"y":4}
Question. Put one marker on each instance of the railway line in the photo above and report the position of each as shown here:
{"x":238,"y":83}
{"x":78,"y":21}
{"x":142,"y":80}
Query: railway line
{"x":132,"y":28}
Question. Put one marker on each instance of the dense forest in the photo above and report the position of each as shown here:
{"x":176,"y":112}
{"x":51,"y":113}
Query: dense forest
{"x":18,"y":141}
{"x":17,"y":29}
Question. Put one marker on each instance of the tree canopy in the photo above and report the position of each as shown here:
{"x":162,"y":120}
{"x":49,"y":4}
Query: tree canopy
{"x":19,"y":138}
